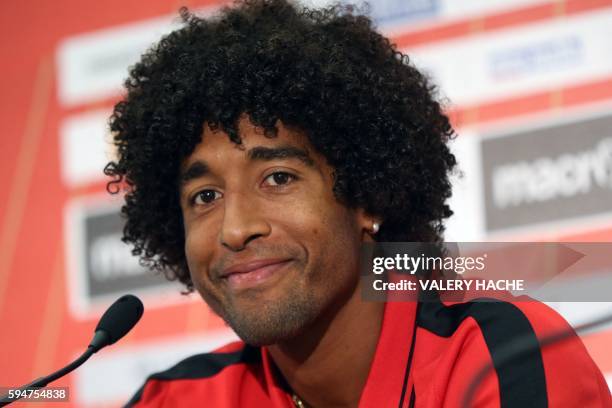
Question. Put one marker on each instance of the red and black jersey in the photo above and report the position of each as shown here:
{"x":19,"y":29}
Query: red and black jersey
{"x":428,"y":355}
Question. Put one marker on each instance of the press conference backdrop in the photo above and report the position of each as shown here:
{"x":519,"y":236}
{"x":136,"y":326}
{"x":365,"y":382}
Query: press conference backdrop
{"x":528,"y":84}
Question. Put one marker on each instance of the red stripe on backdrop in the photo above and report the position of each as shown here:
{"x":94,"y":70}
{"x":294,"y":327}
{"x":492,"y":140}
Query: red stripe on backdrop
{"x":598,"y":235}
{"x":589,"y":92}
{"x":521,"y":16}
{"x":433,"y":34}
{"x":497,"y":21}
{"x":579,"y":6}
{"x":570,"y":96}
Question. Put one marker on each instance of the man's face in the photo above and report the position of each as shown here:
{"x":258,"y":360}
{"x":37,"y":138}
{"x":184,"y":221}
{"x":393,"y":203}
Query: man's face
{"x":268,"y":246}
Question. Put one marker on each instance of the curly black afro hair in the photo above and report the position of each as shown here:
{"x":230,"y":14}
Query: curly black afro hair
{"x":326,"y":72}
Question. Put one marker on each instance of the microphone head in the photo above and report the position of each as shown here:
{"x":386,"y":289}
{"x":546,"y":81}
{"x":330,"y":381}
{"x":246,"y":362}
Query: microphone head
{"x":120,"y":318}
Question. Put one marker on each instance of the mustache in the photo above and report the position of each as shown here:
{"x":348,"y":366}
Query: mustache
{"x":259,"y":252}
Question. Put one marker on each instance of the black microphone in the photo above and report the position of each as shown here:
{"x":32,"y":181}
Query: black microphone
{"x":115,"y":323}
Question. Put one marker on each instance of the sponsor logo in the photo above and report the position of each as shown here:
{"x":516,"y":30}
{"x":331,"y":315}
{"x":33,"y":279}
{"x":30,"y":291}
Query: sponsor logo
{"x":543,"y":56}
{"x":550,"y":174}
{"x":102,"y":266}
{"x":552,"y":178}
{"x":385,"y":11}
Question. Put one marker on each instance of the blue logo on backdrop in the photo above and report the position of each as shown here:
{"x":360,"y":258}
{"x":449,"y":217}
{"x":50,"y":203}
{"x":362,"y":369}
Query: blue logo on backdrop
{"x":545,"y":56}
{"x":391,"y":11}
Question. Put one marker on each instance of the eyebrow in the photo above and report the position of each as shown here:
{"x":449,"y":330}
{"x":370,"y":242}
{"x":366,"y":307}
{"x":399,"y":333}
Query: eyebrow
{"x":261,"y":153}
{"x":200,"y":168}
{"x":195,"y":170}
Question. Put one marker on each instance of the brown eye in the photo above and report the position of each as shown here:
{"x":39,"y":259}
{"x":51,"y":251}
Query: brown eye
{"x":206,"y":197}
{"x":279,"y":178}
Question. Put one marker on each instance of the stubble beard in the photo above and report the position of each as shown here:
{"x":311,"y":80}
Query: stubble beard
{"x":275,"y":321}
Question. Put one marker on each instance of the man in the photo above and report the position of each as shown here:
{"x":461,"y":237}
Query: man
{"x":260,"y":149}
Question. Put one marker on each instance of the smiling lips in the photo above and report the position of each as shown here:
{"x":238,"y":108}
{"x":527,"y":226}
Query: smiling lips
{"x":251,"y":274}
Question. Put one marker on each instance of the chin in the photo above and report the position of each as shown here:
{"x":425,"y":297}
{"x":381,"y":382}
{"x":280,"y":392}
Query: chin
{"x":258,"y":337}
{"x":273,"y":323}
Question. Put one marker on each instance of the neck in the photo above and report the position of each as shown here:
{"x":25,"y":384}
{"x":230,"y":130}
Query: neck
{"x":329,"y":364}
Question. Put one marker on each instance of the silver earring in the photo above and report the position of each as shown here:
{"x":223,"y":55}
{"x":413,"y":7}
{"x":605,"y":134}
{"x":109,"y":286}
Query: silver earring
{"x":375,"y":227}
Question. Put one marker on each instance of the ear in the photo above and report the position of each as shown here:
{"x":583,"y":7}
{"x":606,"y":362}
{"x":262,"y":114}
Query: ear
{"x":369,"y":224}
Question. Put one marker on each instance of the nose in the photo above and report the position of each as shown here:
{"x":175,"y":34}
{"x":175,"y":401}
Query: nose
{"x":242,"y":222}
